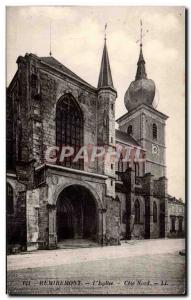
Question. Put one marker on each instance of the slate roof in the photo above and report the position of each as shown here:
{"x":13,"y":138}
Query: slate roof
{"x":56,"y":64}
{"x":126,"y":138}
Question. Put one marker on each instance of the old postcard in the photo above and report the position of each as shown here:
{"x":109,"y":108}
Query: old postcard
{"x":95,"y":133}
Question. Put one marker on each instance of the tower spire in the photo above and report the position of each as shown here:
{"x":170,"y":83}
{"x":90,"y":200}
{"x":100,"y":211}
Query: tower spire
{"x":141,"y":70}
{"x":105,"y":77}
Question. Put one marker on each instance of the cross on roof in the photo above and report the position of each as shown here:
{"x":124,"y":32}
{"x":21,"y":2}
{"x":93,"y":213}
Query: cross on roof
{"x":141,"y":34}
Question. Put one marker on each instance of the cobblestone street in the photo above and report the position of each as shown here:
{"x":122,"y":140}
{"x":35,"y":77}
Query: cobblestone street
{"x":135,"y":267}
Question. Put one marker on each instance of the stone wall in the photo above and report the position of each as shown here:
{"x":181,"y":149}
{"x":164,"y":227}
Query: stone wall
{"x":32,"y":200}
{"x":113,"y":221}
{"x":16,"y":222}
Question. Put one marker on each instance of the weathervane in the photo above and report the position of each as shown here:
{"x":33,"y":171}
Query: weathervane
{"x":141,"y":34}
{"x":50,"y":40}
{"x":105,"y":31}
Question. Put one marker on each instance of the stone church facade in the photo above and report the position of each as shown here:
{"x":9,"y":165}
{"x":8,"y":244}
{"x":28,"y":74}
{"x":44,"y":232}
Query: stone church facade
{"x":48,"y":201}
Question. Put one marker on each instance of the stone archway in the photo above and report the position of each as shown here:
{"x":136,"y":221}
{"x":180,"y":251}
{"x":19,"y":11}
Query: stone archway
{"x":86,"y":197}
{"x":77,"y":215}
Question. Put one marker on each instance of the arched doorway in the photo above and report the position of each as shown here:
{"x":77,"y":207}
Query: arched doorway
{"x":76,"y":214}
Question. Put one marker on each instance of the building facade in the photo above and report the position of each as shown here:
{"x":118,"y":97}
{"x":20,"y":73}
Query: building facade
{"x":52,"y":196}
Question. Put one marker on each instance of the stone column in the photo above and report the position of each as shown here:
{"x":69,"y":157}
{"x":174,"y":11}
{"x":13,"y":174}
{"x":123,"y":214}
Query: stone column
{"x":102,"y":226}
{"x":52,"y":235}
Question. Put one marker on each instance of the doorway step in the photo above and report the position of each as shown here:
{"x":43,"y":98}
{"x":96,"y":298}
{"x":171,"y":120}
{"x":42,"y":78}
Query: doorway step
{"x":76,"y":243}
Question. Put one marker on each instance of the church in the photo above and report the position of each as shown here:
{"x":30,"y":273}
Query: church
{"x":104,"y":201}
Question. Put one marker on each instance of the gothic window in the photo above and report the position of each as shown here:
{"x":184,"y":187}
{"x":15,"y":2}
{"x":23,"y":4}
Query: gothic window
{"x":69,"y":129}
{"x":154,"y":131}
{"x":130,"y":129}
{"x":10,"y":204}
{"x":137,"y":212}
{"x":154,"y":212}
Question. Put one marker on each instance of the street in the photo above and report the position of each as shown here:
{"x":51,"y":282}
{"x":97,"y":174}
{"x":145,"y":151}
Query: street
{"x":135,"y":267}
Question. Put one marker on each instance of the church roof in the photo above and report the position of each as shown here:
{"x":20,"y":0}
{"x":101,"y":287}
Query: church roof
{"x":105,"y":77}
{"x":50,"y":60}
{"x":126,"y":138}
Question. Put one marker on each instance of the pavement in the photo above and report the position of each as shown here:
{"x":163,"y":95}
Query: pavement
{"x":135,"y":267}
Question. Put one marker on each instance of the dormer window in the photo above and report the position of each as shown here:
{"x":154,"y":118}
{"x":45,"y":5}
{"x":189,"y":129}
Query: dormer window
{"x":154,"y":131}
{"x":130,"y":129}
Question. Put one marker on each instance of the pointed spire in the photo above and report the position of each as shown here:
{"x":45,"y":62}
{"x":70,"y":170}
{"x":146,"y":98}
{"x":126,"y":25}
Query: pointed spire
{"x":105,"y":78}
{"x":141,"y":70}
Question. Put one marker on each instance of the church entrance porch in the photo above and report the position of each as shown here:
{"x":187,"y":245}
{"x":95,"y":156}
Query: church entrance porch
{"x":76,"y":216}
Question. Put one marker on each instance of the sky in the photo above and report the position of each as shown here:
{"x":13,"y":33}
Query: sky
{"x":77,"y":37}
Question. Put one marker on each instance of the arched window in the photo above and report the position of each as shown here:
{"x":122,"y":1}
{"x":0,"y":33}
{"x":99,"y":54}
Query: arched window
{"x":10,"y":203}
{"x":137,"y":212}
{"x":130,"y":129}
{"x":154,"y":212}
{"x":154,"y":131}
{"x":69,"y":129}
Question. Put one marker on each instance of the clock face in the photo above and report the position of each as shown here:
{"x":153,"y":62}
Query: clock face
{"x":155,"y":149}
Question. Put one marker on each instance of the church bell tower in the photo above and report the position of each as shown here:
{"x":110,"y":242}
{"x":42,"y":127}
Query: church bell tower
{"x":143,"y":121}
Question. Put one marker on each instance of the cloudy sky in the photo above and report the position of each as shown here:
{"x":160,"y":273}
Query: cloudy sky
{"x":77,"y":42}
